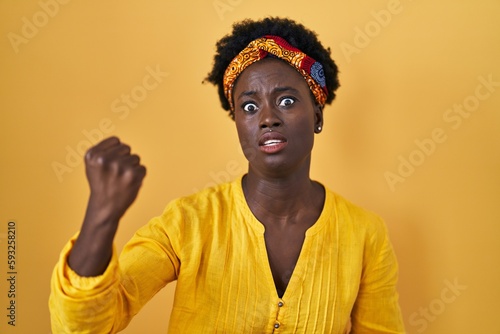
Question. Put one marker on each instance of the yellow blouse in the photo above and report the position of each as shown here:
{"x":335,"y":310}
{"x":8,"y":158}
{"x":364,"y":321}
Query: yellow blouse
{"x":212,"y":244}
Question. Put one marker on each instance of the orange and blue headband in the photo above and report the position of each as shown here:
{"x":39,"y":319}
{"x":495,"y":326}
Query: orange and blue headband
{"x":310,"y":69}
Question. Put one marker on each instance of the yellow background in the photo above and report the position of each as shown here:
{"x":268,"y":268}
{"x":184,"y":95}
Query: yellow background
{"x":399,"y":81}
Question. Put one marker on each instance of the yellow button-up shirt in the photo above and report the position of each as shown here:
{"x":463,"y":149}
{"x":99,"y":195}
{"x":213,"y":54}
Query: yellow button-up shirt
{"x":213,"y":245}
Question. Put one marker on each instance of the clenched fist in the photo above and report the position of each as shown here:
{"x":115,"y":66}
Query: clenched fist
{"x":115,"y":177}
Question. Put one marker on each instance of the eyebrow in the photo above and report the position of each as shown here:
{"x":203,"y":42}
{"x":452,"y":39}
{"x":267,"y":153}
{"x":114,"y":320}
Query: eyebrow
{"x":247,"y":93}
{"x":275,"y":90}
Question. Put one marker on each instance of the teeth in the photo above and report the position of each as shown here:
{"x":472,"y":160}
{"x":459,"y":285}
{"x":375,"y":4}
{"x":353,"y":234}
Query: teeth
{"x":272,"y":142}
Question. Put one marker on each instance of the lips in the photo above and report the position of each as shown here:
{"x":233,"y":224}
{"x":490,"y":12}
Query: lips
{"x":272,"y":142}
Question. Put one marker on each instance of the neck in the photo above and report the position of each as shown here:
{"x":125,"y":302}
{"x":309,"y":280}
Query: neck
{"x":282,"y":200}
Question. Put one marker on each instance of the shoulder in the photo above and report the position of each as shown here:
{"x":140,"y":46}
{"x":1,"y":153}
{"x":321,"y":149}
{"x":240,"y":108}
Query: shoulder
{"x":362,"y":235}
{"x":357,"y":222}
{"x":202,"y":209}
{"x":208,"y":199}
{"x":354,"y":213}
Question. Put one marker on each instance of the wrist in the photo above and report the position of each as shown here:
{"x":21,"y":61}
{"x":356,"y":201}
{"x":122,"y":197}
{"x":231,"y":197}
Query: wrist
{"x":102,"y":212}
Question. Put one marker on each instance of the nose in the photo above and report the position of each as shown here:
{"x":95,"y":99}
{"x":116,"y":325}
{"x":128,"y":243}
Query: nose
{"x":269,"y":117}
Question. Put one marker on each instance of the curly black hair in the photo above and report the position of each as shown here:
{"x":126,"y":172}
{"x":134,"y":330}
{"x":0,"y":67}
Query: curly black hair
{"x":294,"y":33}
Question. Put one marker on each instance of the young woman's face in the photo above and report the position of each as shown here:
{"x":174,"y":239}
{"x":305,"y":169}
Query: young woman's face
{"x":276,"y":117}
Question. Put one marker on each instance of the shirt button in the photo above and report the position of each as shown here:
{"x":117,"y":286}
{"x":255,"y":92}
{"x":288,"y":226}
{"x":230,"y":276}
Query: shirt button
{"x":277,"y":325}
{"x":280,"y":304}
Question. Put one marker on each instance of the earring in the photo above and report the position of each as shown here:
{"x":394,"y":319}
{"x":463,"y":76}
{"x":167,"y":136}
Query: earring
{"x":318,"y":128}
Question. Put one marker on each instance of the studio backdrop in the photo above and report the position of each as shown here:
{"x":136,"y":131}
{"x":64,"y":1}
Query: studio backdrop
{"x":412,"y":135}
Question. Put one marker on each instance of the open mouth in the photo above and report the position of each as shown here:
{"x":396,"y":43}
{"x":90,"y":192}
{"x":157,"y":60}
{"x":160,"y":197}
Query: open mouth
{"x":272,"y":142}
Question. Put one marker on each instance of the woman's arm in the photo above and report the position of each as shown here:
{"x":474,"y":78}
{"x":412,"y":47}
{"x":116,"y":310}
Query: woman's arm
{"x":115,"y":177}
{"x":88,"y":292}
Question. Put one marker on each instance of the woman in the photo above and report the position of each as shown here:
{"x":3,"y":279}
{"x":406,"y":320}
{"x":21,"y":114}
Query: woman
{"x":272,"y":251}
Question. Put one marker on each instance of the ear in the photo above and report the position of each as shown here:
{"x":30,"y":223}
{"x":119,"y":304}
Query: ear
{"x":318,"y":118}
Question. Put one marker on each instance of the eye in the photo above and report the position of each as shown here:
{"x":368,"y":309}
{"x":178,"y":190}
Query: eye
{"x":249,"y":107}
{"x":286,"y":101}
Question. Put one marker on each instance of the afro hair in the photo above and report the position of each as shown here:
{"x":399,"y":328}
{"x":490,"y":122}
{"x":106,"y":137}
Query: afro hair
{"x":294,"y":33}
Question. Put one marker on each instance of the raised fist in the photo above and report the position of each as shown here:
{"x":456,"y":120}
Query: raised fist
{"x":115,"y":177}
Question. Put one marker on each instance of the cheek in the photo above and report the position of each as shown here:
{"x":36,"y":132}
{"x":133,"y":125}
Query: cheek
{"x":307,"y":141}
{"x":246,"y":141}
{"x":306,"y":133}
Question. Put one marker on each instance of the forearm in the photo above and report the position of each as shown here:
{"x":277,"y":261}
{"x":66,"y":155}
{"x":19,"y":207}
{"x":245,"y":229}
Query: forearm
{"x":92,"y":250}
